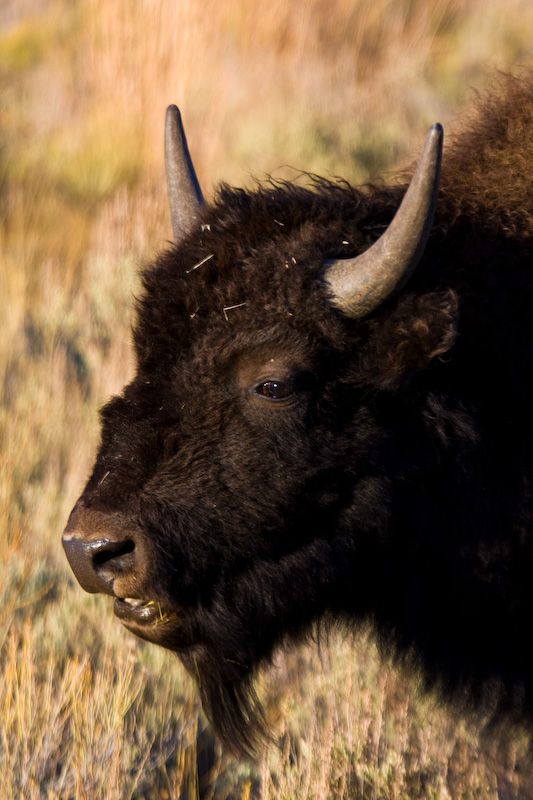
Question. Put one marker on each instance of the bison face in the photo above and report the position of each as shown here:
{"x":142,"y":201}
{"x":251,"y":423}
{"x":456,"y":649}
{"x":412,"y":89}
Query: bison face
{"x":203,"y":477}
{"x":215,"y":477}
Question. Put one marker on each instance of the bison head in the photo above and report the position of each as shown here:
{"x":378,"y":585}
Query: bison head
{"x":242,"y":488}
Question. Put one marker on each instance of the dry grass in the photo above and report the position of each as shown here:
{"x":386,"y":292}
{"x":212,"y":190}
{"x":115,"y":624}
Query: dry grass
{"x":330,"y":86}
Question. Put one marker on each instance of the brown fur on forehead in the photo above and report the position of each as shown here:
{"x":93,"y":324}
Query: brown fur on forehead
{"x":255,"y":261}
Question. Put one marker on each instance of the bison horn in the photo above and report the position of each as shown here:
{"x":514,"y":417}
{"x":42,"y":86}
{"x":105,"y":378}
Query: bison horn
{"x":359,"y":285}
{"x":184,"y":191}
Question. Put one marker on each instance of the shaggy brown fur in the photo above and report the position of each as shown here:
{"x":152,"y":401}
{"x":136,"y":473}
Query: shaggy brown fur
{"x":274,"y":463}
{"x":487,"y":173}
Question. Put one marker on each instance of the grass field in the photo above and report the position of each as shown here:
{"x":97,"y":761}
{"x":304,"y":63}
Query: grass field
{"x":342,"y":87}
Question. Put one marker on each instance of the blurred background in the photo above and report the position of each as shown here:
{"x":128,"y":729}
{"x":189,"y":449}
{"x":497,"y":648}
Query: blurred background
{"x":335,"y":87}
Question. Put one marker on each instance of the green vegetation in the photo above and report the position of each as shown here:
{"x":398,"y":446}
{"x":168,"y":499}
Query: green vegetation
{"x":343,"y":87}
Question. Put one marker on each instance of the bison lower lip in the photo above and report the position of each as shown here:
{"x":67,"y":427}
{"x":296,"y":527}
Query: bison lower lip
{"x":142,"y":612}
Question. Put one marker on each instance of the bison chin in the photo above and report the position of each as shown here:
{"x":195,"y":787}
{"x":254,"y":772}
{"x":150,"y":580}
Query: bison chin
{"x":225,"y":683}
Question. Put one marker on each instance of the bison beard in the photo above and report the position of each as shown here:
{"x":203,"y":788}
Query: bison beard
{"x":330,"y":422}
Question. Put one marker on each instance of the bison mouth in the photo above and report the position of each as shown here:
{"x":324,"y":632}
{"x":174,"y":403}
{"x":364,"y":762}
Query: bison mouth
{"x":151,"y":621}
{"x":140,"y":612}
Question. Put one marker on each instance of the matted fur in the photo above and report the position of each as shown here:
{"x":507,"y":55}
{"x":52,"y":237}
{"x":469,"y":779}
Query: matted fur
{"x":394,"y":487}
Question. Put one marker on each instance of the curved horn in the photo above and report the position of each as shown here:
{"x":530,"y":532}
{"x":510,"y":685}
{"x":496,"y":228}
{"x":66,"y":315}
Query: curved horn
{"x":359,"y":285}
{"x":184,"y":193}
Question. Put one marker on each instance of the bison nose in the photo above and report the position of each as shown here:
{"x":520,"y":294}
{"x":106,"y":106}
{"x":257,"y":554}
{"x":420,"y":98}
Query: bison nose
{"x":97,"y":564}
{"x":98,"y":551}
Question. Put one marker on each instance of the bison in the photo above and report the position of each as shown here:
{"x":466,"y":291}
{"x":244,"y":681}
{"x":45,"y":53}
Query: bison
{"x":331,"y":421}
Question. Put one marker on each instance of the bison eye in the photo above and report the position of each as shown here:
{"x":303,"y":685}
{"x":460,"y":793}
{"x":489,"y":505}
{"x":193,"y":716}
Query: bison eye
{"x":275,"y":390}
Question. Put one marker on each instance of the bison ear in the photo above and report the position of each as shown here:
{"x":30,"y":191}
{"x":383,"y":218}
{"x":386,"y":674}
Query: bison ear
{"x":184,"y":193}
{"x":405,"y":340}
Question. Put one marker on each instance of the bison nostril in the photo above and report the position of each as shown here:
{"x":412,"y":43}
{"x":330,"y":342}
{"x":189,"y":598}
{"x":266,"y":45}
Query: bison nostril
{"x":96,"y":564}
{"x":105,"y":551}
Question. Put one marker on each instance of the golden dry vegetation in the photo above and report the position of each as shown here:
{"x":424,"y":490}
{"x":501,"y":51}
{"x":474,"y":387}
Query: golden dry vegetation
{"x":331,"y":86}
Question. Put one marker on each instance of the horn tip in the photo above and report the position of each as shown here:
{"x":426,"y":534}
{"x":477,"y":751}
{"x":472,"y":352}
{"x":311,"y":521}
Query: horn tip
{"x":436,"y":132}
{"x":173,"y":113}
